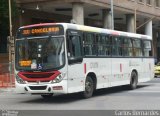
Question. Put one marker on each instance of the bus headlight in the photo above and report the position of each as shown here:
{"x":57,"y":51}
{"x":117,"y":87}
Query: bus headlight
{"x":20,"y":80}
{"x":59,"y":78}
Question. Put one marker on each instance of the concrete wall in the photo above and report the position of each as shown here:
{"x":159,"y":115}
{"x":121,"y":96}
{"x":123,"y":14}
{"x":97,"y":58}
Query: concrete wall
{"x":142,"y":8}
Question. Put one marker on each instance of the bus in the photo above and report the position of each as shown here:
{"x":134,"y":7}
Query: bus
{"x":62,"y":58}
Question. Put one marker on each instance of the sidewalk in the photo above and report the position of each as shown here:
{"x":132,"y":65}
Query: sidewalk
{"x":7,"y":80}
{"x":10,"y":90}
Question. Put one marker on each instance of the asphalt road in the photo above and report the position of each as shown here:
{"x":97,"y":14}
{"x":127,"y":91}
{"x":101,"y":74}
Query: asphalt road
{"x":145,"y":97}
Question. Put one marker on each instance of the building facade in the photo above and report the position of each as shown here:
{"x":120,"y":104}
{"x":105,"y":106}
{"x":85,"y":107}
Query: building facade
{"x":136,"y":16}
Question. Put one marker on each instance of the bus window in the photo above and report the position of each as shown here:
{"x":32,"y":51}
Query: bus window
{"x":90,"y":47}
{"x":104,"y":48}
{"x":137,"y":49}
{"x":127,"y":46}
{"x":116,"y":46}
{"x":147,"y":48}
{"x":101,"y":45}
{"x":74,"y":46}
{"x":108,"y":46}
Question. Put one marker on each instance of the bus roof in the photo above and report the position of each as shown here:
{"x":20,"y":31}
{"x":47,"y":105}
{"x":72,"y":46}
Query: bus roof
{"x":92,"y":29}
{"x":37,"y":25}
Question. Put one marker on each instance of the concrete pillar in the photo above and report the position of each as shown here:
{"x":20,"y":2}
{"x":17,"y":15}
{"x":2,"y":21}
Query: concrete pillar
{"x":130,"y":22}
{"x":155,"y":42}
{"x":78,"y":13}
{"x":107,"y":18}
{"x":148,"y":29}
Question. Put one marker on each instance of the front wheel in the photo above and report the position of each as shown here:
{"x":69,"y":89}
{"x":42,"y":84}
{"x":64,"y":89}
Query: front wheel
{"x":89,"y":88}
{"x":47,"y":96}
{"x":133,"y":80}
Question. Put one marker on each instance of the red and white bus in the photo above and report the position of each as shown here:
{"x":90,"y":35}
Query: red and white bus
{"x":66,"y":58}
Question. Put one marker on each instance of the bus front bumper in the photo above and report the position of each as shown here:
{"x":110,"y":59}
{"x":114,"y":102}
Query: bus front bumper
{"x":40,"y":88}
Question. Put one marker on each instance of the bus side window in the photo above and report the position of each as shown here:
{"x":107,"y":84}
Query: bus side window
{"x":90,"y":45}
{"x":137,"y":47}
{"x":147,"y":48}
{"x":104,"y":46}
{"x":74,"y":49}
{"x":127,"y":47}
{"x":115,"y":46}
{"x":74,"y":46}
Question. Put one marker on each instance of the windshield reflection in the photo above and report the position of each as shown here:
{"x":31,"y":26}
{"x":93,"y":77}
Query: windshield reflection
{"x":40,"y":53}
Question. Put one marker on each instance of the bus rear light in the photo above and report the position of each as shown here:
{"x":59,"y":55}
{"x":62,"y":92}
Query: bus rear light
{"x":57,"y":88}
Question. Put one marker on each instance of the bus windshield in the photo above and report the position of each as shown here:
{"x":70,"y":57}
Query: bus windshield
{"x":43,"y":53}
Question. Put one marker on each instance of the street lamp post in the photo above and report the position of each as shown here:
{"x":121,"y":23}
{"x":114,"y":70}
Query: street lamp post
{"x":10,"y":18}
{"x":112,"y":14}
{"x":9,"y":40}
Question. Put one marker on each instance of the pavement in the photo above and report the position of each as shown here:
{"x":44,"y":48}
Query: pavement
{"x":145,"y":97}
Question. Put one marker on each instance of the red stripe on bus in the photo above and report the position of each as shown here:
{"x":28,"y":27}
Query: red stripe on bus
{"x":85,"y":68}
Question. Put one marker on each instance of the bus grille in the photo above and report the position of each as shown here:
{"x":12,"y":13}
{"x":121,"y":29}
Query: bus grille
{"x":37,"y":87}
{"x":46,"y":75}
{"x":38,"y":76}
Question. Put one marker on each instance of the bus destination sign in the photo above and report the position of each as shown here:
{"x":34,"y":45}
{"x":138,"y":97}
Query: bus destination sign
{"x":40,"y":31}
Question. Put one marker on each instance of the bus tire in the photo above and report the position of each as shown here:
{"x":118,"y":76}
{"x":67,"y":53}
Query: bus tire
{"x":89,"y":87}
{"x":133,"y":80}
{"x":47,"y":96}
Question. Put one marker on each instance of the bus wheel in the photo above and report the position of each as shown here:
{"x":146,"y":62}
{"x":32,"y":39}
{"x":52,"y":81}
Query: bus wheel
{"x":47,"y":96}
{"x":133,"y":80}
{"x":89,"y":87}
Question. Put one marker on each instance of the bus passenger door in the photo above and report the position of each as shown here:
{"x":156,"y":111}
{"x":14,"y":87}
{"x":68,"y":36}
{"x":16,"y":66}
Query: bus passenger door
{"x":75,"y":59}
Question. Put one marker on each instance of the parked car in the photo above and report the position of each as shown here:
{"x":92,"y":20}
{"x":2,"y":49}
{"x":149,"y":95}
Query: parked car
{"x":157,"y":69}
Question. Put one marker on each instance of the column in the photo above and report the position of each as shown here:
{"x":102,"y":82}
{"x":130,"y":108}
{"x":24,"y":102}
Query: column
{"x":78,"y":13}
{"x":130,"y":22}
{"x":155,"y":42}
{"x":107,"y":18}
{"x":148,"y":28}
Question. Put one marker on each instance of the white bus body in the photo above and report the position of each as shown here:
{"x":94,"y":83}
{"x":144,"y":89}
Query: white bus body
{"x":95,"y":61}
